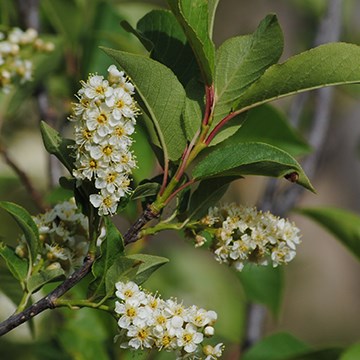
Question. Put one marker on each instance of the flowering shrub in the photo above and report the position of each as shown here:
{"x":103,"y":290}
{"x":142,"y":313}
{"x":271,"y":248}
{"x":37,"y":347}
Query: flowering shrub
{"x":203,"y":121}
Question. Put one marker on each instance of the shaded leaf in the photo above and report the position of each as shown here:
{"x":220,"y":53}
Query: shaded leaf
{"x":17,"y":266}
{"x":122,"y":269}
{"x":268,"y":125}
{"x":27,"y":225}
{"x":161,"y":94}
{"x":343,"y":224}
{"x":148,"y":264}
{"x":145,"y":190}
{"x":57,"y":145}
{"x":168,"y":43}
{"x":325,"y":65}
{"x":194,"y":18}
{"x":207,"y":194}
{"x":280,"y":346}
{"x":250,"y":159}
{"x":264,"y":285}
{"x":323,"y":354}
{"x":38,"y":280}
{"x":111,"y":248}
{"x":242,"y":60}
{"x":8,"y":286}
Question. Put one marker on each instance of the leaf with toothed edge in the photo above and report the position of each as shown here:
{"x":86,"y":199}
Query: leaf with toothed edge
{"x":251,"y":158}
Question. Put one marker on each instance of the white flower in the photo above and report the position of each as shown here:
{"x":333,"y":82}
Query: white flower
{"x":213,"y":352}
{"x":106,"y":202}
{"x":190,"y":338}
{"x":242,"y":235}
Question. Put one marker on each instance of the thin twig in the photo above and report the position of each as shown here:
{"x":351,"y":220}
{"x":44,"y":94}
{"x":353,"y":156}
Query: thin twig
{"x":281,"y":202}
{"x":25,"y":180}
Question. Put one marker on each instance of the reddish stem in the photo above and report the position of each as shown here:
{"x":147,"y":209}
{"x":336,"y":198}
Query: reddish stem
{"x":209,"y":103}
{"x":182,"y":187}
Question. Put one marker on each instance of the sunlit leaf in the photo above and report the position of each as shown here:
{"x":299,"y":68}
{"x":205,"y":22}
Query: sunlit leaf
{"x":162,"y":96}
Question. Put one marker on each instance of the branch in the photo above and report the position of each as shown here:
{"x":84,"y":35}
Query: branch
{"x":25,"y":180}
{"x":281,"y":202}
{"x":49,"y":301}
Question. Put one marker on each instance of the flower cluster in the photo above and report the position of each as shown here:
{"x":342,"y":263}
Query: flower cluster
{"x":64,"y":237}
{"x":104,"y":122}
{"x":242,"y":234}
{"x":16,"y":48}
{"x":148,"y":322}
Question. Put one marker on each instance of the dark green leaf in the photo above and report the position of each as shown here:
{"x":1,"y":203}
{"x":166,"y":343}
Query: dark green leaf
{"x":194,"y":18}
{"x":145,"y":190}
{"x":212,"y":5}
{"x":194,"y":108}
{"x":57,"y":145}
{"x":38,"y":280}
{"x":281,"y":346}
{"x":264,"y":285}
{"x":112,"y":247}
{"x":148,"y":264}
{"x":162,"y":95}
{"x":250,"y":159}
{"x":169,"y":43}
{"x":207,"y":194}
{"x":323,"y":354}
{"x":8,"y":286}
{"x":242,"y":60}
{"x":343,"y":224}
{"x":17,"y":266}
{"x":58,"y":194}
{"x":266,"y":124}
{"x":325,"y":65}
{"x":27,"y":225}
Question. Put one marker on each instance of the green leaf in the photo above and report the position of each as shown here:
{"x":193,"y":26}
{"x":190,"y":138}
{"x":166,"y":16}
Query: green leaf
{"x":212,"y":5}
{"x":250,"y":159}
{"x":194,"y":108}
{"x":27,"y":225}
{"x":242,"y":60}
{"x":17,"y":266}
{"x":38,"y":280}
{"x":9,"y":287}
{"x":325,"y":65}
{"x":145,"y":190}
{"x":280,"y":346}
{"x":207,"y":194}
{"x":268,"y":125}
{"x":323,"y":354}
{"x":83,"y":335}
{"x":264,"y":285}
{"x":162,"y":96}
{"x":148,"y":264}
{"x":194,"y":18}
{"x":343,"y":224}
{"x":168,"y":43}
{"x":351,"y":353}
{"x":111,"y":248}
{"x":58,"y":146}
{"x":122,"y":269}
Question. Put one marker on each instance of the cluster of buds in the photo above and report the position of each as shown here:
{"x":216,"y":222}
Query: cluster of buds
{"x":241,"y":235}
{"x":104,"y":122}
{"x":64,"y":238}
{"x":16,"y":49}
{"x":148,"y":322}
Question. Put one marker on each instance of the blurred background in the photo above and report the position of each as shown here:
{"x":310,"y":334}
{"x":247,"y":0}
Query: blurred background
{"x":321,"y":304}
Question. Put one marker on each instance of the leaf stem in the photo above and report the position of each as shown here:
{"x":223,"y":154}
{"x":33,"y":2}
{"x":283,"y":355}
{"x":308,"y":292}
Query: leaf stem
{"x":76,"y":304}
